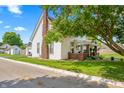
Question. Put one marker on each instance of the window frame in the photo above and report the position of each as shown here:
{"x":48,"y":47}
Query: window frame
{"x":38,"y":48}
{"x":51,"y":48}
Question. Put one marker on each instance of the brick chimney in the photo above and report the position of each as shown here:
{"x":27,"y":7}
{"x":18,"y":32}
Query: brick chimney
{"x":45,"y":50}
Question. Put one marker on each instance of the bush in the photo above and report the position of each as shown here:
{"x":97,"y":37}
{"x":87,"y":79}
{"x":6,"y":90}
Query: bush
{"x":94,"y":57}
{"x":112,"y":58}
{"x":121,"y":59}
{"x":91,"y":58}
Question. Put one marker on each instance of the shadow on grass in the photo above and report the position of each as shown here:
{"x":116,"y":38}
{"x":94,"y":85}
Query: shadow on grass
{"x":109,"y":70}
{"x":113,"y":72}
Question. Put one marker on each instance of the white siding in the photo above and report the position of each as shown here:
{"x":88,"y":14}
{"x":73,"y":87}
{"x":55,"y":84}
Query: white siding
{"x":5,"y":46}
{"x":28,"y":51}
{"x":61,"y":49}
{"x":15,"y":50}
{"x":8,"y":51}
{"x":56,"y":51}
{"x":37,"y":39}
{"x":65,"y":48}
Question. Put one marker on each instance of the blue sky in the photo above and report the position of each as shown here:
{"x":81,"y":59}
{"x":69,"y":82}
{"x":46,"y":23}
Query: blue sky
{"x":19,"y":19}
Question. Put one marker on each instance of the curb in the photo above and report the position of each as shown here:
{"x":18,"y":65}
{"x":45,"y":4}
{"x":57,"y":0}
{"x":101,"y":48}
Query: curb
{"x":74,"y":74}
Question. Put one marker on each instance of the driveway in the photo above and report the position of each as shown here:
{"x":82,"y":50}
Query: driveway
{"x":19,"y":75}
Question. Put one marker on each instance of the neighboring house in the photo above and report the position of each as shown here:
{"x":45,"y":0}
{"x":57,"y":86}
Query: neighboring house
{"x":5,"y":48}
{"x":69,"y":48}
{"x":28,"y":49}
{"x":8,"y":49}
{"x":15,"y":50}
{"x":105,"y":50}
{"x":1,"y":50}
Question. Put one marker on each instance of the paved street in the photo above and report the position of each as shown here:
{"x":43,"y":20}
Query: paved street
{"x":25,"y":76}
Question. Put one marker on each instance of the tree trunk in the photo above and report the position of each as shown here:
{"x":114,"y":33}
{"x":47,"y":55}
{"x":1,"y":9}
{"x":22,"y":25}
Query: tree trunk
{"x":45,"y":49}
{"x":115,"y":47}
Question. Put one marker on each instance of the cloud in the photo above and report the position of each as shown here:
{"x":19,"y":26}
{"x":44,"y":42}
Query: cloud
{"x":19,"y":28}
{"x":1,"y":22}
{"x":7,"y":26}
{"x":14,"y":9}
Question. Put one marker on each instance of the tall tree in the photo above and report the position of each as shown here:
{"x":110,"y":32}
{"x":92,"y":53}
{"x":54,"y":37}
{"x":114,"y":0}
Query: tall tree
{"x":12,"y":38}
{"x":45,"y":30}
{"x":103,"y":23}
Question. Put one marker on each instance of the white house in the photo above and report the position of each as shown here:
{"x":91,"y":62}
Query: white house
{"x":5,"y":48}
{"x":8,"y":49}
{"x":69,"y":48}
{"x":15,"y":50}
{"x":28,"y":49}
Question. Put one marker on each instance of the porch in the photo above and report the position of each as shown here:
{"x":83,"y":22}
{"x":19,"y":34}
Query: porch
{"x":80,"y":49}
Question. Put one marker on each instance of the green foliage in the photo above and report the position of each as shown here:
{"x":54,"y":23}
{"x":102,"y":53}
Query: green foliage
{"x":120,"y":32}
{"x":91,"y":58}
{"x":12,"y":38}
{"x":23,"y":46}
{"x":53,"y":36}
{"x":89,"y":20}
{"x":115,"y":55}
{"x":103,"y":23}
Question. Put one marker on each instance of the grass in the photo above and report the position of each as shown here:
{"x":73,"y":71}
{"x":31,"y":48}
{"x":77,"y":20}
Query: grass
{"x":115,"y":55}
{"x":109,"y":70}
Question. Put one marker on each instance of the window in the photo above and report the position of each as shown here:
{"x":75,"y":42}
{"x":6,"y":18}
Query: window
{"x":72,"y":47}
{"x":72,"y":44}
{"x":79,"y":48}
{"x":51,"y":48}
{"x":38,"y":48}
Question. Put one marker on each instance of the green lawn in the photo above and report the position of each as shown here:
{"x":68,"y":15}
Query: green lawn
{"x":115,"y":55}
{"x":110,"y":70}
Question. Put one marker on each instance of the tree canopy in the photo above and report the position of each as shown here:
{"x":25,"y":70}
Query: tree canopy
{"x":103,"y":23}
{"x":12,"y":38}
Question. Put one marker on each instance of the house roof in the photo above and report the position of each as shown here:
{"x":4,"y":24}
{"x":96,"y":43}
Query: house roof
{"x":4,"y":46}
{"x":15,"y":46}
{"x":37,"y":26}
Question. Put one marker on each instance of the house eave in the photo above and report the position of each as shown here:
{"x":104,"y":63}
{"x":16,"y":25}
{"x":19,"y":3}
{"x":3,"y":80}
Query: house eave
{"x":37,"y":26}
